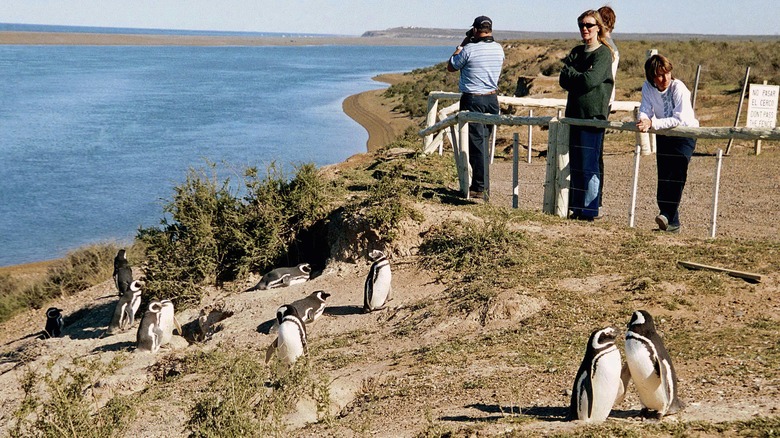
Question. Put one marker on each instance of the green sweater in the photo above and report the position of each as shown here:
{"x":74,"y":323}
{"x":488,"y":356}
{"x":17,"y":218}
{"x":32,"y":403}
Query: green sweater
{"x":587,"y":76}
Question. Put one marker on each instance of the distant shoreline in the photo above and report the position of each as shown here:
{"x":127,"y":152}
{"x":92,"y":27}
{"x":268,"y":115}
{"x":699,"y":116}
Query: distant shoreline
{"x":111,"y":39}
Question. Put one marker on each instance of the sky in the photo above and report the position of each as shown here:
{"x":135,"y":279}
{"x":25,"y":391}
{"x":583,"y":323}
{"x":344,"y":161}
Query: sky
{"x":353,"y":17}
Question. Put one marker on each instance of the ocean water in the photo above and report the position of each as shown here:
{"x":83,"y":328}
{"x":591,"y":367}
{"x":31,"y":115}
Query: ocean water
{"x":93,"y":138}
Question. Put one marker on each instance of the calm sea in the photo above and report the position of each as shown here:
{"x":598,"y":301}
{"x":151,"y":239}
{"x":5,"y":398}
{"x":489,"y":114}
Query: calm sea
{"x":93,"y":138}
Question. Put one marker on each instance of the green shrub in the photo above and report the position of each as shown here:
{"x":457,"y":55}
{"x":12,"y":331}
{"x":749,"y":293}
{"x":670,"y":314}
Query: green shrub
{"x":66,"y":408}
{"x":78,"y":270}
{"x":214,"y":235}
{"x":472,"y":253}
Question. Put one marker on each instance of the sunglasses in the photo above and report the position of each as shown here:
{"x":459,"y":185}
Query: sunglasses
{"x":587,"y":25}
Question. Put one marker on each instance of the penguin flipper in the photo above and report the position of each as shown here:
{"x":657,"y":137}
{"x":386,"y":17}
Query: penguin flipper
{"x":178,"y":326}
{"x":625,"y":379}
{"x":270,"y":350}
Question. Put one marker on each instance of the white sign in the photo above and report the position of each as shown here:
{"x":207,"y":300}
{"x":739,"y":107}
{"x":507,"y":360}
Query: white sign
{"x":762,"y":106}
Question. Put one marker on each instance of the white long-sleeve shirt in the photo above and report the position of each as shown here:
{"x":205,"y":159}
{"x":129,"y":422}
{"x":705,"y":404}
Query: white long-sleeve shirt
{"x":669,"y":108}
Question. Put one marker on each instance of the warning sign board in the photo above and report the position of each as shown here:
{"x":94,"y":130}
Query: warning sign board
{"x":762,"y":106}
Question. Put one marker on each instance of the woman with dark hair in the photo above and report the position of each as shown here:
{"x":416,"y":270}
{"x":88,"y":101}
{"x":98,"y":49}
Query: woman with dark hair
{"x":666,"y":103}
{"x":587,"y":76}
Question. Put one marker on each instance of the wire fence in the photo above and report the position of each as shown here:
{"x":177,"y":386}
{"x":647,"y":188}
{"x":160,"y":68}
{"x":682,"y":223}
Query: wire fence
{"x":548,"y":178}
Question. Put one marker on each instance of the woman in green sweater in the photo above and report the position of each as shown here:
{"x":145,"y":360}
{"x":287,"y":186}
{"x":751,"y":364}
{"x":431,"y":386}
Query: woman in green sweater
{"x":587,"y":76}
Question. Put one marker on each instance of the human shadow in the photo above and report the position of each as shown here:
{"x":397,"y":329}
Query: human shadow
{"x":343,"y":310}
{"x":447,"y":196}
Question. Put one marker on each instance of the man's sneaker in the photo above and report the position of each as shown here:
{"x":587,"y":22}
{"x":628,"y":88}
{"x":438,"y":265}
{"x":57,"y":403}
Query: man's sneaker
{"x":673,"y":228}
{"x":476,"y":194}
{"x":663,"y":222}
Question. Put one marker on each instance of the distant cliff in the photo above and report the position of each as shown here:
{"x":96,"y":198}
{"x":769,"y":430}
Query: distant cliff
{"x":456,"y":35}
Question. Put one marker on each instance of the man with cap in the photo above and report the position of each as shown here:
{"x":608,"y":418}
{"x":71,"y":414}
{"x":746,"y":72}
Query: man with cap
{"x":479,"y":59}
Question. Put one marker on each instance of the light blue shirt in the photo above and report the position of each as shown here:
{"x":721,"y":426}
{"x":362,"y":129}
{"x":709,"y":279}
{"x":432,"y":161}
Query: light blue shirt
{"x":480,"y":67}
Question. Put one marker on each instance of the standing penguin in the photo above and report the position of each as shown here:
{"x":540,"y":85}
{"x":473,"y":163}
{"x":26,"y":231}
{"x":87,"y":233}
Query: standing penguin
{"x":377,"y":291}
{"x":123,"y":273}
{"x":598,"y":383}
{"x":283,"y":277}
{"x":126,"y":307}
{"x":168,"y":322}
{"x":54,"y":323}
{"x":149,"y":331}
{"x":290,"y":344}
{"x":651,"y":367}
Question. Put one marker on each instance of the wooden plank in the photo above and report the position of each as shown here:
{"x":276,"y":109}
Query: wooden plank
{"x":756,"y":278}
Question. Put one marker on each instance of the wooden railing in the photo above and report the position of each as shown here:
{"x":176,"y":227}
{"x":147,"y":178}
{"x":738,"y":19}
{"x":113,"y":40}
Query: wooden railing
{"x":557,"y":176}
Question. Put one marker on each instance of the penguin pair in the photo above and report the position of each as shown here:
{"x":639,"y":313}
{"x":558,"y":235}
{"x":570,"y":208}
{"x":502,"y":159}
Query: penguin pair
{"x":601,"y":381}
{"x":283,"y":277}
{"x":123,"y":273}
{"x":377,"y":290}
{"x":54,"y":323}
{"x":126,"y":308}
{"x":157,"y":325}
{"x":290,"y":343}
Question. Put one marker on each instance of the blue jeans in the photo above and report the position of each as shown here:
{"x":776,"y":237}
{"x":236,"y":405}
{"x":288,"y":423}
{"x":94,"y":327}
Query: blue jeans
{"x":585,"y":145}
{"x":479,"y":134}
{"x":672,"y":157}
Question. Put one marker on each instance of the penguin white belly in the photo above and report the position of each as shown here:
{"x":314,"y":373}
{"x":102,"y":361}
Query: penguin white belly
{"x":289,"y":346}
{"x":605,"y":384}
{"x":381,"y":288}
{"x":640,"y":362}
{"x":296,"y":280}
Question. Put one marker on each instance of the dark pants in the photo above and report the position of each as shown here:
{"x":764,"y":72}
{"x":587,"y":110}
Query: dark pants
{"x":585,"y":145}
{"x":479,"y":134}
{"x":672,"y":157}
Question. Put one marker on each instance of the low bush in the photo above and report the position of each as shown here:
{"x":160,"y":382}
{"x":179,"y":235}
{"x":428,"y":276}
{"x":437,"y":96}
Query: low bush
{"x":63,"y":405}
{"x":213,"y":234}
{"x":78,"y":270}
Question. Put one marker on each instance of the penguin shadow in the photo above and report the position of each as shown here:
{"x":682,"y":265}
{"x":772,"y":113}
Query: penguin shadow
{"x":265,"y":328}
{"x":343,"y":310}
{"x":544,"y":413}
{"x":89,"y":322}
{"x":116,"y":346}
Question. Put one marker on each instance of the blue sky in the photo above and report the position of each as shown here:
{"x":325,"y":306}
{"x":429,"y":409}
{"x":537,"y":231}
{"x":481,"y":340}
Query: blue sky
{"x":353,"y":17}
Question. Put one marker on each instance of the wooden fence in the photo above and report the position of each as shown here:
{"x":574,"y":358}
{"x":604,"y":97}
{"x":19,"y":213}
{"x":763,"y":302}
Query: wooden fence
{"x":557,"y":175}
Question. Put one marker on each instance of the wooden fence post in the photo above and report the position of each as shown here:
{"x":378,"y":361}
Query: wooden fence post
{"x":548,"y":206}
{"x":739,"y":108}
{"x":530,"y":135}
{"x":464,"y":176}
{"x":430,"y":120}
{"x":515,"y":170}
{"x":563,"y":171}
{"x":715,"y":192}
{"x":634,"y":185}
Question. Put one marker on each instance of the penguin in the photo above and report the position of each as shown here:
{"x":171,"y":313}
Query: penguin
{"x":149,"y":331}
{"x":308,"y":308}
{"x":123,"y":273}
{"x":377,"y":291}
{"x":168,"y":322}
{"x":290,"y":344}
{"x":283,"y":277}
{"x":651,"y":367}
{"x":598,"y":382}
{"x":311,"y":307}
{"x":54,"y":323}
{"x":126,"y":308}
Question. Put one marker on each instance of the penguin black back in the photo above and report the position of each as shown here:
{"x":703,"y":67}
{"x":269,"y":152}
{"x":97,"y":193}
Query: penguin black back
{"x":54,"y":323}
